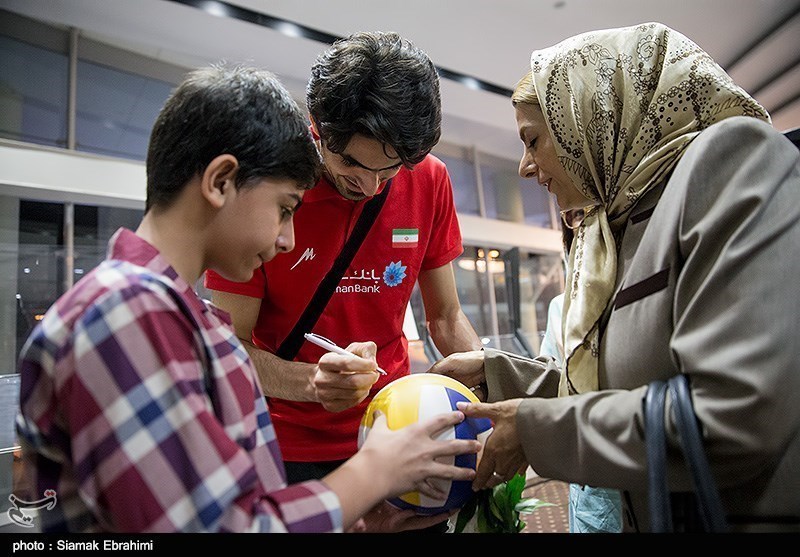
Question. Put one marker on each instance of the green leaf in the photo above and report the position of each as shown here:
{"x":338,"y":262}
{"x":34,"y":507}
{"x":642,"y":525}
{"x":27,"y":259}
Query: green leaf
{"x":491,"y":521}
{"x":506,"y":496}
{"x":465,"y":514}
{"x":496,"y":501}
{"x":484,"y":524}
{"x":527,"y":506}
{"x":515,"y":486}
{"x":497,"y":510}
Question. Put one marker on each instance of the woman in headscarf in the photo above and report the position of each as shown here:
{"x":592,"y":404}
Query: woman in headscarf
{"x":685,"y":205}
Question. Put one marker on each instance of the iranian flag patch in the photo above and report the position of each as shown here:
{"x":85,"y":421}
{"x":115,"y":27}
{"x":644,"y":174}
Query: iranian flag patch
{"x":405,"y":237}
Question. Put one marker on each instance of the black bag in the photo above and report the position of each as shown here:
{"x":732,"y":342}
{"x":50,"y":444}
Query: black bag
{"x":698,"y":511}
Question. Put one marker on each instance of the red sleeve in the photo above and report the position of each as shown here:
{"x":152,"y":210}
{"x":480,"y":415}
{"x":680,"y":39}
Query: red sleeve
{"x":445,"y":244}
{"x":253,"y":288}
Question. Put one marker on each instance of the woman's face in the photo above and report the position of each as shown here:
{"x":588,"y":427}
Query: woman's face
{"x":539,"y":159}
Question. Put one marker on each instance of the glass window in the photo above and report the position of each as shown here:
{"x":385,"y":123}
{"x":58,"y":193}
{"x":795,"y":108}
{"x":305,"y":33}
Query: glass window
{"x":524,"y":284}
{"x":502,"y":291}
{"x":537,"y":277}
{"x":541,"y":278}
{"x":41,"y":264}
{"x":33,"y":93}
{"x":116,"y":110}
{"x":473,"y":289}
{"x":9,"y":304}
{"x":461,"y":167}
{"x":473,"y":294}
{"x":501,"y":192}
{"x":538,"y":205}
{"x":94,"y":226}
{"x":40,"y":267}
{"x":510,"y":198}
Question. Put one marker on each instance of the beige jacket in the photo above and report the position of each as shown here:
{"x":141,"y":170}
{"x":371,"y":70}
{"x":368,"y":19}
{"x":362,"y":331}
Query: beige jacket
{"x":707,"y":285}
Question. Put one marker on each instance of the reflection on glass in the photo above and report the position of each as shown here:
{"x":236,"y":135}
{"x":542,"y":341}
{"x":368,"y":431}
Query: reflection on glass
{"x":540,"y":278}
{"x":501,"y":192}
{"x":9,"y":403}
{"x":462,"y":175}
{"x":33,"y":93}
{"x":116,"y":110}
{"x":41,"y":257}
{"x":473,"y":290}
{"x":538,"y":205}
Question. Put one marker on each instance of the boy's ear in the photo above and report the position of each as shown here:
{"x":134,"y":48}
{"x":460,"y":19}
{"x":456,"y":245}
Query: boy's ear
{"x":219,"y":179}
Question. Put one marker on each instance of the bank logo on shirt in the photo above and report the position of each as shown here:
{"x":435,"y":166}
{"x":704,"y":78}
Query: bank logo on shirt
{"x":394,"y":273}
{"x":368,"y":281}
{"x":405,"y":237}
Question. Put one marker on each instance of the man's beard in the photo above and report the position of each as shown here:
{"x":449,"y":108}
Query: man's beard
{"x":340,"y":185}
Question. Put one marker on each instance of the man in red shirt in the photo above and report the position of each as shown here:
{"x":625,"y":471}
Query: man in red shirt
{"x":375,"y":112}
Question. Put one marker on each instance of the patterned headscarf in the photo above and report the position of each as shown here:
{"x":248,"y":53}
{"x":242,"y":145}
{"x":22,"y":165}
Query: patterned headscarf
{"x":621,"y":105}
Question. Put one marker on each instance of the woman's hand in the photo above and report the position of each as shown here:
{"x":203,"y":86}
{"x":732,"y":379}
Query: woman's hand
{"x":502,"y":456}
{"x":465,"y":367}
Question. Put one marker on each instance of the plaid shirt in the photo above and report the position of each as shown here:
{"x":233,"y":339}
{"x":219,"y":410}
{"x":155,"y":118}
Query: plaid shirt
{"x":140,"y":410}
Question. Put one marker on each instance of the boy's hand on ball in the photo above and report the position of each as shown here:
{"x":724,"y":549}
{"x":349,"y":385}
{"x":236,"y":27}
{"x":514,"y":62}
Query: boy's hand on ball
{"x":416,"y":415}
{"x":416,"y":454}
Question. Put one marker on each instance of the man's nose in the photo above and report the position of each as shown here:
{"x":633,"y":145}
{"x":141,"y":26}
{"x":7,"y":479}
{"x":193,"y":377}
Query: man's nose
{"x":369,"y":182}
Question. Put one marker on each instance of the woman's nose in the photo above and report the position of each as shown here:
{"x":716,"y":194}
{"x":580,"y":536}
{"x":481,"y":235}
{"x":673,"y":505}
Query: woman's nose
{"x":527,"y":168}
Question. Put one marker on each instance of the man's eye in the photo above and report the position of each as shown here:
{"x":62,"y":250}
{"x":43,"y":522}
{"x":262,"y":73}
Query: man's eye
{"x":347,"y":162}
{"x":532,"y":143}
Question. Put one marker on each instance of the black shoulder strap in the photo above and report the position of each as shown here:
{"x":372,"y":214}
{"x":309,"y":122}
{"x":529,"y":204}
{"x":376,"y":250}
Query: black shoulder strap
{"x":712,"y":512}
{"x":709,"y":505}
{"x":294,"y":340}
{"x":656,"y":448}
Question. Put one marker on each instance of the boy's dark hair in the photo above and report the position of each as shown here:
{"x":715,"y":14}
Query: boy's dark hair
{"x":242,"y":111}
{"x":379,"y":85}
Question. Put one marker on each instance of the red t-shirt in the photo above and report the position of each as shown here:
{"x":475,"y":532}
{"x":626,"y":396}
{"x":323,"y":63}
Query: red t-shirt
{"x":417,"y":229}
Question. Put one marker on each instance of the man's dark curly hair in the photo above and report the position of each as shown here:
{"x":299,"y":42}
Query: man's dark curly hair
{"x":379,"y":85}
{"x":242,"y":111}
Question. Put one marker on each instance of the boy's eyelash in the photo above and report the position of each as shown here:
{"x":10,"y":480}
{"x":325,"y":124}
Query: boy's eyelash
{"x":347,"y":162}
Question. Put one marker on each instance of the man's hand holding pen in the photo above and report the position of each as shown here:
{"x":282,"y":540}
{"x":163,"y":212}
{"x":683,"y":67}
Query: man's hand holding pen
{"x":344,"y":380}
